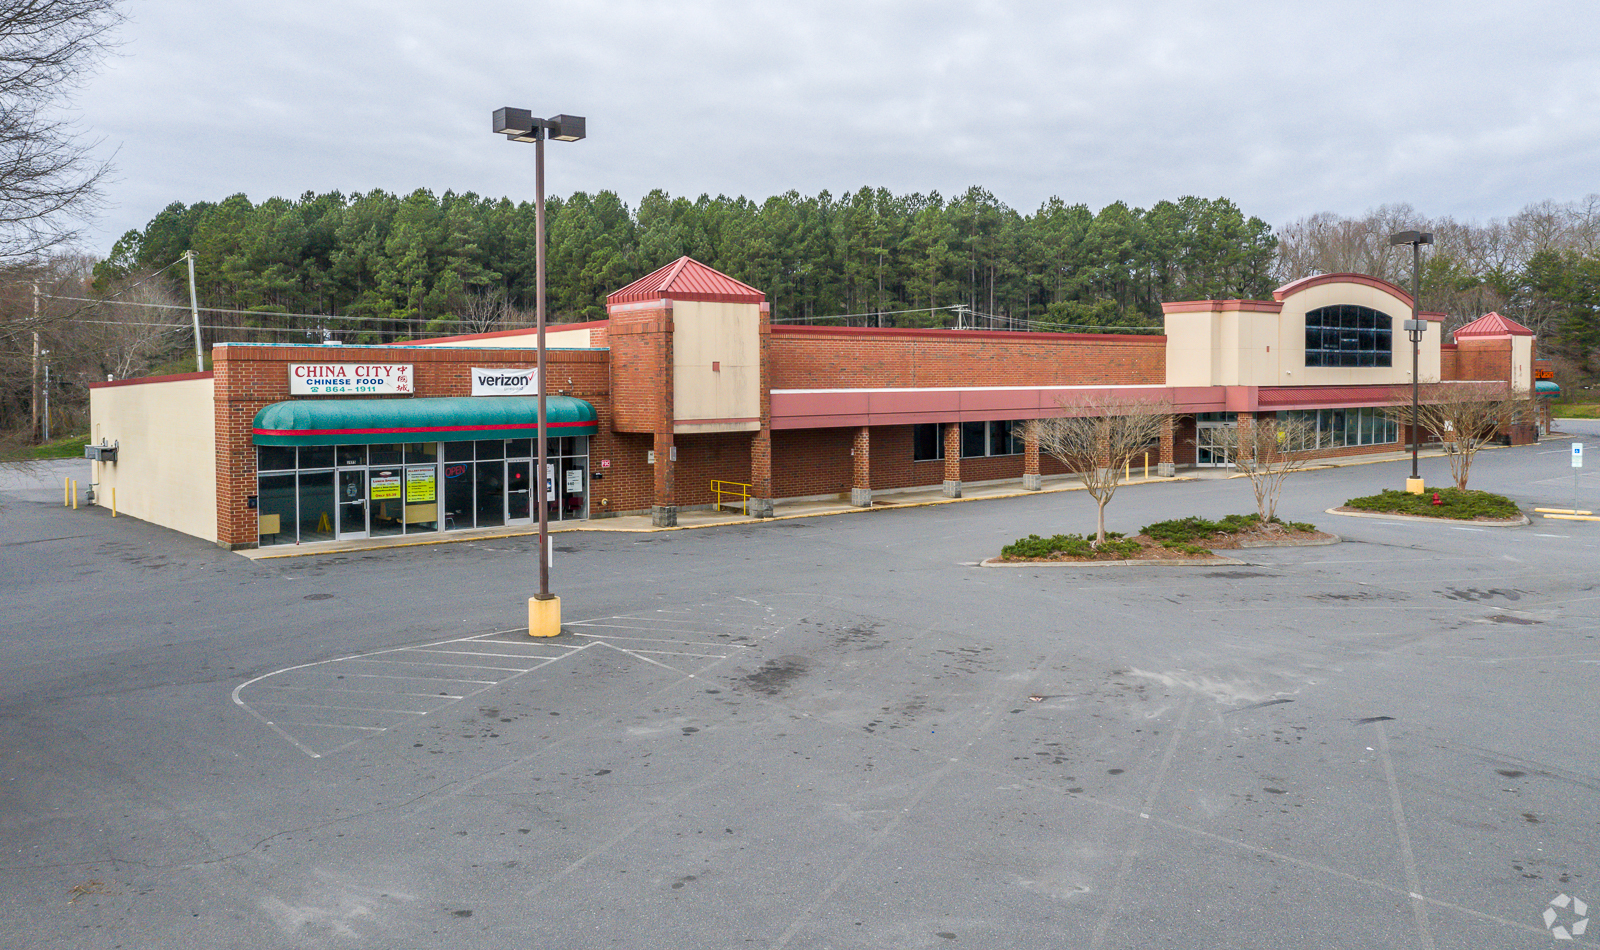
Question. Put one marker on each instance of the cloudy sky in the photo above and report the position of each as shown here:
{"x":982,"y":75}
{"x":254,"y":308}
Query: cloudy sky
{"x":1467,"y":108}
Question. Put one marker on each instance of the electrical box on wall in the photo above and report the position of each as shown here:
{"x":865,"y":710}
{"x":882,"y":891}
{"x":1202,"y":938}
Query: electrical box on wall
{"x":101,"y":452}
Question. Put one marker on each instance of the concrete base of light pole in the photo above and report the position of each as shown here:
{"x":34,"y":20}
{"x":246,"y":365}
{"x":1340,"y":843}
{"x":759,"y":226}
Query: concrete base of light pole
{"x":544,"y":617}
{"x":1414,"y":486}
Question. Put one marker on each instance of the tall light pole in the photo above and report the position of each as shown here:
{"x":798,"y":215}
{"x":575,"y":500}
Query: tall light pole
{"x":1415,"y":327}
{"x":519,"y":125}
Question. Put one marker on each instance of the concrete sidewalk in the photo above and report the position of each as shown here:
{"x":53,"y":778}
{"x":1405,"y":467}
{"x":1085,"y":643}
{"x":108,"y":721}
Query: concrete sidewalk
{"x":785,"y":510}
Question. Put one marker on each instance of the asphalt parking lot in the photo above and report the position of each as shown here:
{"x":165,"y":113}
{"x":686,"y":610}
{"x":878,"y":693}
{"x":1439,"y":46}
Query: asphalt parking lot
{"x":831,"y":732}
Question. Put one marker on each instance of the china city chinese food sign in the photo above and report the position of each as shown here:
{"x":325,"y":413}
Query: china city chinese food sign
{"x":350,"y":379}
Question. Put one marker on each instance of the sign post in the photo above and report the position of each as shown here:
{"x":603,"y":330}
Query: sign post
{"x":1577,"y":463}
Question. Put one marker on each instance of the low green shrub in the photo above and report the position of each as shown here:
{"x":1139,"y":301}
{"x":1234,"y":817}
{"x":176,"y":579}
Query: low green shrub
{"x":1453,"y":503}
{"x":1185,"y":531}
{"x":1072,"y":545}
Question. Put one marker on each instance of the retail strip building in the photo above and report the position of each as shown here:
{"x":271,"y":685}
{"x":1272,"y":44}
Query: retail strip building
{"x":687,"y":382}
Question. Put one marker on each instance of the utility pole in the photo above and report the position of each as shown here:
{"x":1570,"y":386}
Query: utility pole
{"x":194,"y":311}
{"x":34,"y":432}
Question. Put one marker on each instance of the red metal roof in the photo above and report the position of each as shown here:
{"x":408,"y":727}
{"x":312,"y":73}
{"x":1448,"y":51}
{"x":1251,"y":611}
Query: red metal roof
{"x":1492,"y":324}
{"x":687,"y":279}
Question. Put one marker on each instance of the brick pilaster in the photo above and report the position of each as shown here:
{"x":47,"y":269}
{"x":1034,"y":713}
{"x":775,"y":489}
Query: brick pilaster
{"x":1167,"y":467}
{"x":861,"y":468}
{"x":952,"y":460}
{"x":1032,"y":479}
{"x":761,"y":473}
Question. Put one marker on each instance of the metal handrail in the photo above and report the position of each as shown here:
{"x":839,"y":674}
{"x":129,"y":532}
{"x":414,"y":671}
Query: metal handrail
{"x":740,"y":490}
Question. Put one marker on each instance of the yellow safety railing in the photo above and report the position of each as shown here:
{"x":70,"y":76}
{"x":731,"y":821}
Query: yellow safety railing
{"x":735,"y":490}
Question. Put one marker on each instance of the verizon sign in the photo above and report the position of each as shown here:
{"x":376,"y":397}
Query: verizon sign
{"x":505,"y":382}
{"x":349,"y":379}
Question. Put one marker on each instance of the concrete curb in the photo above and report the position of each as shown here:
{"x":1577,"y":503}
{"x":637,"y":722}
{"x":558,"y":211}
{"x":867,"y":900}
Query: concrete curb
{"x":1323,"y":542}
{"x":1524,"y":522}
{"x":1217,"y":561}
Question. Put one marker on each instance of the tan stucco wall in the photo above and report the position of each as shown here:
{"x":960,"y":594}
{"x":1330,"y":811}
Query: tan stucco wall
{"x":1252,"y":348}
{"x":1192,"y":340}
{"x":1292,"y":329}
{"x":166,"y":468}
{"x":1521,"y":363}
{"x":727,"y":398}
{"x":553,"y":339}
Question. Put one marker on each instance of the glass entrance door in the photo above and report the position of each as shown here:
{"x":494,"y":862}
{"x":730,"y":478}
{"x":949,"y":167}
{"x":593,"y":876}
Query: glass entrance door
{"x":519,"y":494}
{"x":353,"y":503}
{"x":1213,"y":444}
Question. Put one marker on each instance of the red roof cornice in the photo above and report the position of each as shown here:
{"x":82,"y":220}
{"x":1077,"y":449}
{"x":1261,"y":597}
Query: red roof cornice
{"x":1306,"y":283}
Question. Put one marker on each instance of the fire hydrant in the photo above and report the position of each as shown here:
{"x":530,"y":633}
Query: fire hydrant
{"x":1437,"y":500}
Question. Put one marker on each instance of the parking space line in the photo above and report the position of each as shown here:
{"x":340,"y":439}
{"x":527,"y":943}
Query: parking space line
{"x":452,"y":666}
{"x":508,"y":656}
{"x":334,"y":725}
{"x":336,"y":689}
{"x":390,"y":676}
{"x":370,"y":709}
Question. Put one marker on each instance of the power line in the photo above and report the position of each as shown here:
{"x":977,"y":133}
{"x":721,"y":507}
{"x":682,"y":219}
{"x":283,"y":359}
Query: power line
{"x":247,"y":313}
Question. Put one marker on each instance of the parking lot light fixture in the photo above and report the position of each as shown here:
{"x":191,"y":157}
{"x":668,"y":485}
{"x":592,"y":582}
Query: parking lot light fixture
{"x":1415,"y":328}
{"x":520,"y":125}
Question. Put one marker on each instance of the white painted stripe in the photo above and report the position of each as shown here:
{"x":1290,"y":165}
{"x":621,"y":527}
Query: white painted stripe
{"x":399,"y":712}
{"x":508,"y":656}
{"x":453,"y":666}
{"x":364,"y":692}
{"x":388,"y":676}
{"x":329,"y":725}
{"x":698,"y":643}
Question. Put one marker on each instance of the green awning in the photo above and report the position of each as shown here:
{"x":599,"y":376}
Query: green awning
{"x":1545,"y":387}
{"x":440,"y":419}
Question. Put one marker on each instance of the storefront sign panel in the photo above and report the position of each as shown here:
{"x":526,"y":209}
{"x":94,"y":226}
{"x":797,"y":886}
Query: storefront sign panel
{"x":349,"y":379}
{"x":420,"y":484}
{"x":385,"y":487}
{"x":505,"y":382}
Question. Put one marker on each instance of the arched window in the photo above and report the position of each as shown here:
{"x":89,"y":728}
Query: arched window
{"x":1347,"y":335}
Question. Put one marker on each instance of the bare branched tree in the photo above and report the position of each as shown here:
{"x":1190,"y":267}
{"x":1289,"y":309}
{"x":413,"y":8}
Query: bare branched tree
{"x":485,"y":311}
{"x":143,"y":326}
{"x":1097,"y":437}
{"x":47,"y":175}
{"x":1267,"y":450}
{"x":1464,"y":417}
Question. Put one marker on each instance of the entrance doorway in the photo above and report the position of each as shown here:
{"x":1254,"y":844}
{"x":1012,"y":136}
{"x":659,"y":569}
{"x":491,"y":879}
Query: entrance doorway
{"x":352,"y":503}
{"x":1214,"y":436}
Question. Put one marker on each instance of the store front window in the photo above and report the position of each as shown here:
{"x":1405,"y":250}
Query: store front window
{"x":324,"y":493}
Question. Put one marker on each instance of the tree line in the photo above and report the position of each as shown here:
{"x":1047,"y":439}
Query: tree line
{"x":1540,"y":267}
{"x":384,"y":266}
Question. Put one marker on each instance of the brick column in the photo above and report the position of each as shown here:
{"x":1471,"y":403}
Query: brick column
{"x":1245,"y":440}
{"x":1032,"y":480}
{"x":861,"y":468}
{"x":664,"y":502}
{"x":761,"y":474}
{"x":1167,"y":466}
{"x":952,"y":460}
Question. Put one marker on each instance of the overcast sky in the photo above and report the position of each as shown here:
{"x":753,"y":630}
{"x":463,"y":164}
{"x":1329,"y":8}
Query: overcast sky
{"x":1466,"y":108}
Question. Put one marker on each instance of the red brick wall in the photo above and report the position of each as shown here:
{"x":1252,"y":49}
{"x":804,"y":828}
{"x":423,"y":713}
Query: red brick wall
{"x":641,"y":369}
{"x":818,"y":462}
{"x":248,"y":378}
{"x":1483,"y":359}
{"x":853,"y":358}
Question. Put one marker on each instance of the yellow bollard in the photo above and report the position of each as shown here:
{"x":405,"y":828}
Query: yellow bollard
{"x":113,"y":502}
{"x":1127,"y":469}
{"x":1147,"y":465}
{"x":74,"y":494}
{"x":66,"y":492}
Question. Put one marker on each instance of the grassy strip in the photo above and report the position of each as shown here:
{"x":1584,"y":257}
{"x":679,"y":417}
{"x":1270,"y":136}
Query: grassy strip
{"x":1453,"y":503}
{"x":70,"y":447}
{"x":1575,"y":410}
